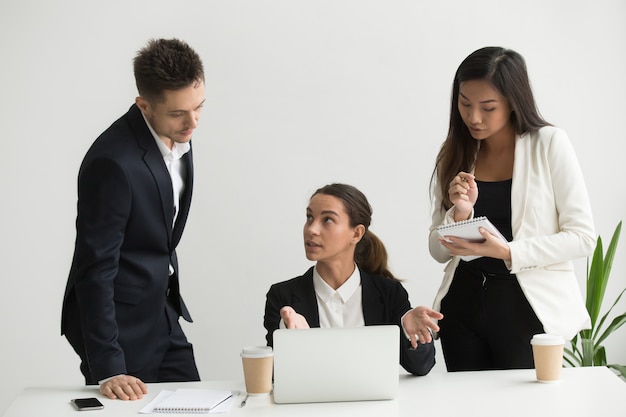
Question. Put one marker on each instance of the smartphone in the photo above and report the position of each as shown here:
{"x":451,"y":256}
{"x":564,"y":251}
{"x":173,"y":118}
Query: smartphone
{"x":83,"y":404}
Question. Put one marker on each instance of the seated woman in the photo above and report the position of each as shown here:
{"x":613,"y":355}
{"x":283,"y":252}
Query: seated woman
{"x":350,"y":284}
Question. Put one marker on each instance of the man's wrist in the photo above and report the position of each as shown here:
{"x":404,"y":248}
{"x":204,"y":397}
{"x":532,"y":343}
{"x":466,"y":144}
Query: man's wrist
{"x":102,"y":381}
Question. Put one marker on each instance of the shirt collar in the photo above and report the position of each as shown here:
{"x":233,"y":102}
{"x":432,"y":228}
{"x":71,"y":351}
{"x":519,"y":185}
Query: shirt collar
{"x":177,"y":151}
{"x":347,"y":289}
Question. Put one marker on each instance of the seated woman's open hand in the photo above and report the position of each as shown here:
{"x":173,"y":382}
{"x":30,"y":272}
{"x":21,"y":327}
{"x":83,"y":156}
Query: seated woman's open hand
{"x":418,"y":324}
{"x":292,"y":319}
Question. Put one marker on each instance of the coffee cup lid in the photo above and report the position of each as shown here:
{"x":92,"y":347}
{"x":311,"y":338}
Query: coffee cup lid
{"x":256,"y":351}
{"x":544,"y":339}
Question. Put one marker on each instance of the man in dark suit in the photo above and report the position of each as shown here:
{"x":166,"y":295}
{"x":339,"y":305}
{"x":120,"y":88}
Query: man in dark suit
{"x":122,"y":301}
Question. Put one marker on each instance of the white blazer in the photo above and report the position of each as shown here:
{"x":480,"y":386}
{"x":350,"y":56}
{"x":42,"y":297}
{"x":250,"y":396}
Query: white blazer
{"x":552,"y":225}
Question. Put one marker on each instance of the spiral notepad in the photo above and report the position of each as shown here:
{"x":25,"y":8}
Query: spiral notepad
{"x":468,"y":229}
{"x":192,"y":401}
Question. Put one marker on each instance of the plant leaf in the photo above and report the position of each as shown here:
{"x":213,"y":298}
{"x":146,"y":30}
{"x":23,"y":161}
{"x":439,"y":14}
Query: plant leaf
{"x":615,"y":324}
{"x":571,"y":357}
{"x":588,"y":351}
{"x":596,"y":285}
{"x":598,"y":275}
{"x":599,"y":357}
{"x":610,"y":252}
{"x":574,"y":352}
{"x":597,"y":329}
{"x":620,"y":368}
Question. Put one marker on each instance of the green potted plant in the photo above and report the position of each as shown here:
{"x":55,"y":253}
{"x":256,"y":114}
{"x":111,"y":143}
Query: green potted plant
{"x":586,"y":347}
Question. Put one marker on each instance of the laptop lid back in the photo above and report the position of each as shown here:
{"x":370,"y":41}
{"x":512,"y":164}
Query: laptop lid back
{"x":336,"y":364}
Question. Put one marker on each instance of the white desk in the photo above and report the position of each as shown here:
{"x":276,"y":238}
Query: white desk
{"x":581,"y":392}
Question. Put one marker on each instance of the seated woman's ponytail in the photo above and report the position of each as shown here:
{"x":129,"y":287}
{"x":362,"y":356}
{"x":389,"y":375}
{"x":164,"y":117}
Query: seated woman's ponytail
{"x":370,"y":254}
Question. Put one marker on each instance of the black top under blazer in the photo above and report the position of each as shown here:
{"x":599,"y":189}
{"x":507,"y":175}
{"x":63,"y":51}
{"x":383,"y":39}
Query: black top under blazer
{"x":384,"y":302}
{"x":125,"y":242}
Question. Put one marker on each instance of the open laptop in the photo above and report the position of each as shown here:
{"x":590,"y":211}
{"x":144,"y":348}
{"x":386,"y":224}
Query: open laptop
{"x":336,"y":364}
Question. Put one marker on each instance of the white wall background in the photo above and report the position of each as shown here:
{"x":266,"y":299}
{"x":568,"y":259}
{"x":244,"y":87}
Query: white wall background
{"x":299,"y":94}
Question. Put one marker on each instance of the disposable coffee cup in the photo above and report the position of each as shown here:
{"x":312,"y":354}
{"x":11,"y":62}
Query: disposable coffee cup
{"x":548,"y":356}
{"x":258,"y":364}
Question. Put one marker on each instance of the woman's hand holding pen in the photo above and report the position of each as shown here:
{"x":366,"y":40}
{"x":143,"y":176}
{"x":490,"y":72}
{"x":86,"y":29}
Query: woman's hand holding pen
{"x":463,"y":192}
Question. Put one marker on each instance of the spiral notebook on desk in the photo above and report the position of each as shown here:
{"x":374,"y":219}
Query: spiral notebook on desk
{"x":468,"y":229}
{"x":190,"y":401}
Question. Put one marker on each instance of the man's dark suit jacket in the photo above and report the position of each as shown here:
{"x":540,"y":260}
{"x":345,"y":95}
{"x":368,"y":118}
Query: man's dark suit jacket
{"x":116,"y":290}
{"x":384,"y":302}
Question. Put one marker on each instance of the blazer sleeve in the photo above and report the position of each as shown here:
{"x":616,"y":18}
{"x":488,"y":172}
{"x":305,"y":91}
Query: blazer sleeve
{"x":417,"y":361}
{"x":439,"y":217}
{"x":103,"y":208}
{"x":385,"y":301}
{"x":271,"y":318}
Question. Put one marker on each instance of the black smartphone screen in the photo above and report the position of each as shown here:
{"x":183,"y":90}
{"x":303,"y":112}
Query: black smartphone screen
{"x":87,"y":404}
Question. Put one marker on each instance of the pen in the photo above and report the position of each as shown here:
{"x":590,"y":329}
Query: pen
{"x":243,"y":403}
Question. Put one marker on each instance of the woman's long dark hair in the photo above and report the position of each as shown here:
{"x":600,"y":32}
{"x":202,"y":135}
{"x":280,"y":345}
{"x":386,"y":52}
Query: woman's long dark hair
{"x":370,"y":254}
{"x":506,"y":70}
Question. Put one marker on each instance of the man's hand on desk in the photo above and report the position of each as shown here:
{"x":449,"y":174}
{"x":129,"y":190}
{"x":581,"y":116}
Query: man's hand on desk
{"x":124,"y":387}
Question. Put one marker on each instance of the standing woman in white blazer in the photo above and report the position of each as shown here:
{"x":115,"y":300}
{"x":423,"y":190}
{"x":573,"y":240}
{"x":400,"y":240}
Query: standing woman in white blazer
{"x":502,"y":160}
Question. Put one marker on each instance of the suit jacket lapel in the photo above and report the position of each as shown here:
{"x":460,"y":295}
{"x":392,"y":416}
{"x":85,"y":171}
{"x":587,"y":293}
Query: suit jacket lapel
{"x":304,"y":301}
{"x":185,"y":198}
{"x":373,"y":304}
{"x":520,"y":184}
{"x":154,"y":161}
